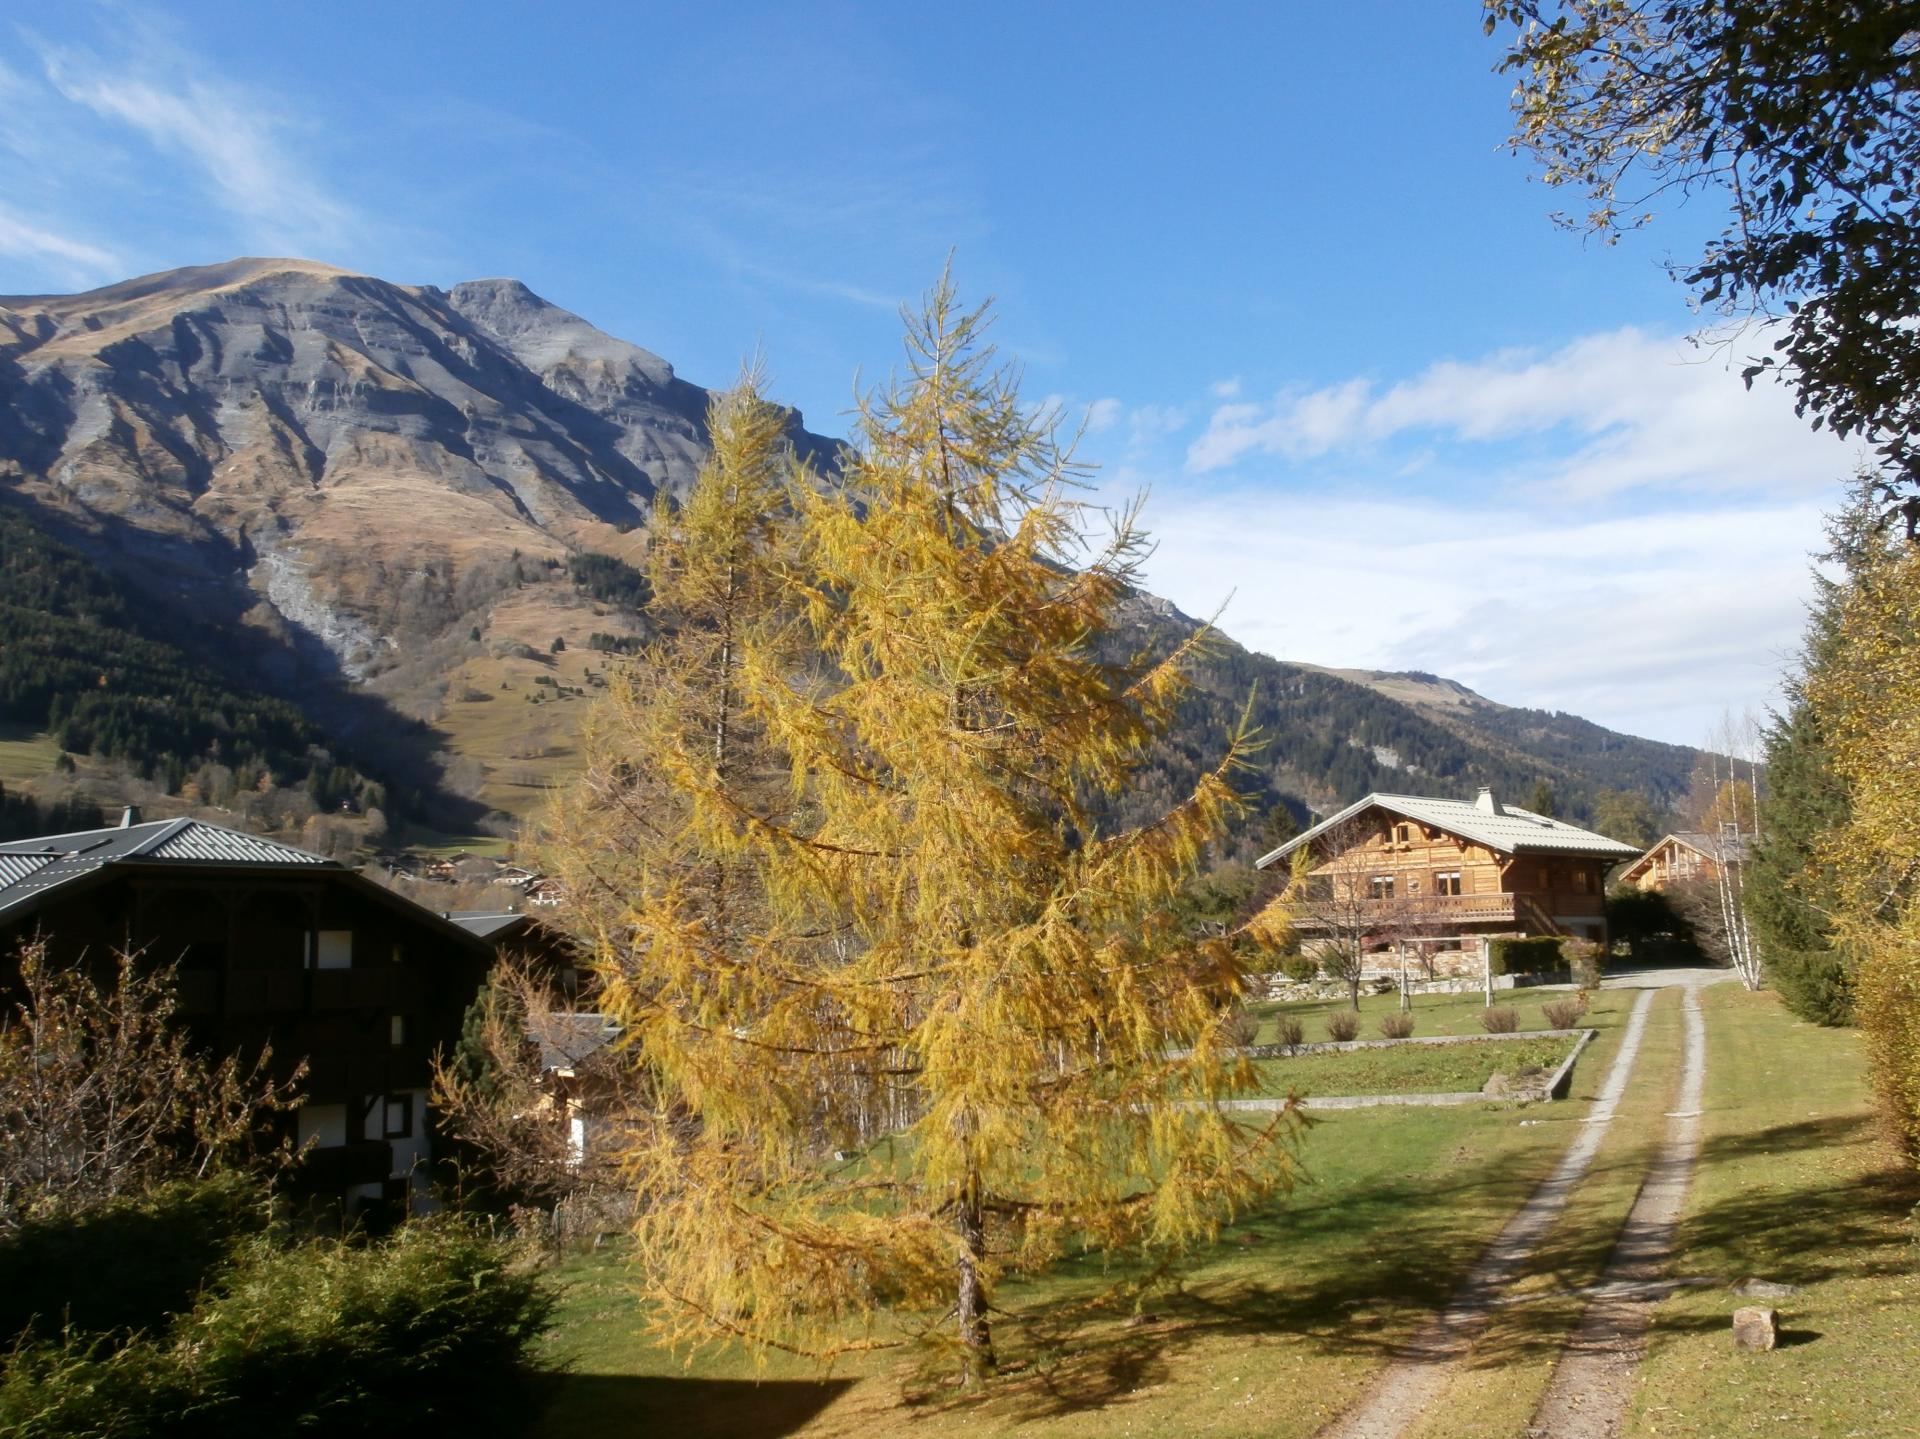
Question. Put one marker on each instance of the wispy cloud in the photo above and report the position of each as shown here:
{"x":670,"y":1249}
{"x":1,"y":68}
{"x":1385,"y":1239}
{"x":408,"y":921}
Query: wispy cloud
{"x":80,"y":260}
{"x":233,"y":138}
{"x":1604,"y":415}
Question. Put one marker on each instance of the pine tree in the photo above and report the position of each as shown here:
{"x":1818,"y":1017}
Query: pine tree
{"x":964,"y":1032}
{"x":1788,"y":889}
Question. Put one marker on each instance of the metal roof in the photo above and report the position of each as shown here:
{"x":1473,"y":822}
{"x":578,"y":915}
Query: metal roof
{"x":31,"y":867}
{"x":1719,"y":848}
{"x":1505,"y":828}
{"x":485,"y":923}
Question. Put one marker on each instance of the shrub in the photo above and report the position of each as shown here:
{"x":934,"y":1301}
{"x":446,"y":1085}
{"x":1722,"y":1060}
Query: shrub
{"x":1529,"y":954}
{"x":1563,"y":1013}
{"x":1288,"y":1030}
{"x":1501,"y":1019}
{"x":1299,"y":968}
{"x":1343,"y":1024}
{"x":1397,"y":1025}
{"x":1239,"y":1026}
{"x":159,"y":1251}
{"x":1584,"y":958}
{"x":432,"y":1327}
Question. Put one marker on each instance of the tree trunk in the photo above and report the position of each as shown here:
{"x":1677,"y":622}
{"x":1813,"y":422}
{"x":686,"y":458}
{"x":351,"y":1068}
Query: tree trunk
{"x":976,"y":1332}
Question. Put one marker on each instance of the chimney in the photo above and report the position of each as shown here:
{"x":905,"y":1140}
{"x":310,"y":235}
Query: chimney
{"x":130,"y":816}
{"x":1486,"y":803}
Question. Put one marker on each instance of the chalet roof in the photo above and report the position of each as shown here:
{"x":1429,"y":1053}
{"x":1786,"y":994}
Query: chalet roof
{"x":1505,"y":828}
{"x":1719,"y":848}
{"x":567,"y":1038}
{"x":486,"y":923}
{"x":29,"y":868}
{"x":33,"y":869}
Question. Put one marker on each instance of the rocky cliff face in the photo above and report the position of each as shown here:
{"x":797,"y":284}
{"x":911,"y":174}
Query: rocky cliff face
{"x":377,"y":500}
{"x":284,"y":438}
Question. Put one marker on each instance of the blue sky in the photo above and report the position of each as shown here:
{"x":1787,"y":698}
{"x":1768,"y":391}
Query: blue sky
{"x":1274,"y":254}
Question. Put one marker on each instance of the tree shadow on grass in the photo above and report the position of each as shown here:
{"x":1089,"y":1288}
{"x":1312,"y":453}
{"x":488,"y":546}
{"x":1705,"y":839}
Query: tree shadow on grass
{"x":644,"y":1406}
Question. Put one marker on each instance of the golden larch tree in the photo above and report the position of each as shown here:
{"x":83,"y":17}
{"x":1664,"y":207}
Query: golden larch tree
{"x":965,"y":1033}
{"x":1865,"y":695}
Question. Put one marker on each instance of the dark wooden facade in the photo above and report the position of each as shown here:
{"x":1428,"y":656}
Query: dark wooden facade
{"x":308,"y":960}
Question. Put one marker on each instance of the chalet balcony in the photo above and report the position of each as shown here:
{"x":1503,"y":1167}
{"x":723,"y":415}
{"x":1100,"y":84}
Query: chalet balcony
{"x":1436,"y":909}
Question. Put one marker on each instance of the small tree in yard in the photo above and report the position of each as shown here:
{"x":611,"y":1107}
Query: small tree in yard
{"x":1333,"y":906}
{"x":960,"y":1030}
{"x":103,"y":1095}
{"x":495,"y":1094}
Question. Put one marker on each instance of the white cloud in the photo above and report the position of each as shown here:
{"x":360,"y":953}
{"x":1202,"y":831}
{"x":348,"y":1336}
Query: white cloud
{"x":1149,"y":424}
{"x":1103,"y":414}
{"x":1619,"y":411}
{"x":81,"y":260}
{"x":1227,"y":389}
{"x":232,"y":137}
{"x":1651,"y":624}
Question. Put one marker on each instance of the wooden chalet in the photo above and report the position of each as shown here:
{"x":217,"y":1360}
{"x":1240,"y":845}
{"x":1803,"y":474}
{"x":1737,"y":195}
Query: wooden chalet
{"x":1683,"y":857}
{"x":1437,"y":874}
{"x":274,"y":946}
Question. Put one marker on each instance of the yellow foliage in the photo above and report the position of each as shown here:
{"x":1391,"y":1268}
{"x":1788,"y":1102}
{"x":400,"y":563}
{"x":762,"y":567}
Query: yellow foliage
{"x":1866,"y":696}
{"x":919,"y":1018}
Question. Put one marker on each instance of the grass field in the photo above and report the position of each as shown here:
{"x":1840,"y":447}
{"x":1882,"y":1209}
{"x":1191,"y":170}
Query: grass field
{"x":25,"y":754}
{"x":1797,"y":1184}
{"x":1410,"y":1068}
{"x":1432,"y":1013}
{"x":1270,"y":1332}
{"x":1280,"y":1325}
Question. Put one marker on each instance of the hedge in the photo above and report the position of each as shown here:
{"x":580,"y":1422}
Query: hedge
{"x":1532,"y":954}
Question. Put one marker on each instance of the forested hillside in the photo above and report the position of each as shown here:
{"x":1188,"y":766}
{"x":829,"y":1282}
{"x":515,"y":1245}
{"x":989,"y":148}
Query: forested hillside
{"x":77,"y":659}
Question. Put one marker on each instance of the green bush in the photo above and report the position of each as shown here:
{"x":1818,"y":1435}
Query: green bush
{"x":127,"y":1266}
{"x":432,"y":1327}
{"x":1532,"y":954}
{"x":1299,"y":967}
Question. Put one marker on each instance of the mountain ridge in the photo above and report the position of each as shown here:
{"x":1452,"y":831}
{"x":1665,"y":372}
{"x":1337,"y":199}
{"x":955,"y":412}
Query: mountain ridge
{"x":410,"y":505}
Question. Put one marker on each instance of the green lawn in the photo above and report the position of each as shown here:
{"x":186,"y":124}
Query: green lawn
{"x":1280,"y":1325}
{"x":25,"y":754}
{"x":1796,"y":1184}
{"x":1410,"y":1068}
{"x":1432,"y":1013}
{"x":1271,"y":1331}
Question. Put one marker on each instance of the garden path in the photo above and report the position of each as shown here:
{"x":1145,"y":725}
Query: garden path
{"x":1594,"y":1378}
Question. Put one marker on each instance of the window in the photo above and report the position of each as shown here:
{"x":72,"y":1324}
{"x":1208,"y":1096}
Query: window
{"x":1580,"y":881}
{"x":1448,"y":883}
{"x":399,"y":1116}
{"x":1402,"y":834}
{"x":397,"y":1030}
{"x":1382,"y":886}
{"x":333,"y":949}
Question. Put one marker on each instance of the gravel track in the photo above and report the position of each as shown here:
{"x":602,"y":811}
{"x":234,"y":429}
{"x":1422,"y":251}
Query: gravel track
{"x":1415,"y":1379}
{"x":1587,"y":1397}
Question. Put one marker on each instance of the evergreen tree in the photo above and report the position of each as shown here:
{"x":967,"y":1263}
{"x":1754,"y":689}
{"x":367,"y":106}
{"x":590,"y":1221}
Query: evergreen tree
{"x":1789,"y":889}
